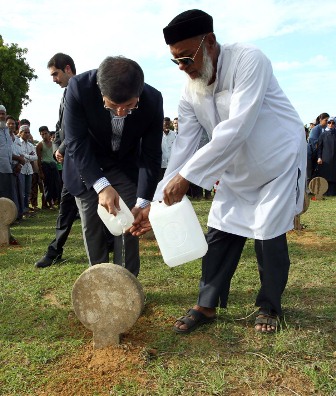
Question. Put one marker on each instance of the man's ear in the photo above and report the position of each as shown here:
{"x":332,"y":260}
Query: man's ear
{"x":211,"y":39}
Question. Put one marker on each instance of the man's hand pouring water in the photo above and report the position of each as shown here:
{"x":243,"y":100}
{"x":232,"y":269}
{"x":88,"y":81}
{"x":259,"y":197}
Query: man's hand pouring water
{"x":109,"y":198}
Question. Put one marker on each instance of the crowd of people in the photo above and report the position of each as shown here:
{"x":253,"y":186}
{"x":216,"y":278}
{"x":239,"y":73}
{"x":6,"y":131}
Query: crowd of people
{"x":114,"y":141}
{"x":27,"y":167}
{"x":321,"y":151}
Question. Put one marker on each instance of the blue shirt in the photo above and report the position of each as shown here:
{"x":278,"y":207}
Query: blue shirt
{"x":315,"y":134}
{"x":5,"y":151}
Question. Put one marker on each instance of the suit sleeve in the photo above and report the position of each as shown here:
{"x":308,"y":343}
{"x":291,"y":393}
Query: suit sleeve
{"x":58,"y":144}
{"x":77,"y":139}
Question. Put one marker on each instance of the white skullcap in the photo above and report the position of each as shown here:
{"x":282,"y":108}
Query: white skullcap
{"x":24,"y":128}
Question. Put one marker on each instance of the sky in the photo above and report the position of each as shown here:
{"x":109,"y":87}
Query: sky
{"x":298,"y":36}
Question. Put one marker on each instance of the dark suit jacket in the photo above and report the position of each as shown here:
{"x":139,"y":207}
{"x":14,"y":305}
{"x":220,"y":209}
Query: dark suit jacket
{"x":89,"y":132}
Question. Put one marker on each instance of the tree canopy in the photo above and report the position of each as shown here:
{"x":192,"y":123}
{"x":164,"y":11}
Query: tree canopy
{"x":15,"y":76}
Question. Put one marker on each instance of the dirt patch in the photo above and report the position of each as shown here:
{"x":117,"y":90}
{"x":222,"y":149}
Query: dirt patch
{"x":310,"y":239}
{"x":97,"y":371}
{"x":91,"y":371}
{"x":52,"y":299}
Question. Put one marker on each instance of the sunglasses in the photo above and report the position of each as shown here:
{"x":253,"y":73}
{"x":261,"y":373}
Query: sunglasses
{"x":187,"y":60}
{"x":331,"y":122}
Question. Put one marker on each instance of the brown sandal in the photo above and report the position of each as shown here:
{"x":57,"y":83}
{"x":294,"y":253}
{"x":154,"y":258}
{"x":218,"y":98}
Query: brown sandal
{"x":193,"y":319}
{"x":268,"y":320}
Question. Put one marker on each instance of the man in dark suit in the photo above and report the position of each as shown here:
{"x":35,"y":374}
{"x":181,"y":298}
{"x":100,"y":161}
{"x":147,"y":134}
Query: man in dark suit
{"x":61,"y":68}
{"x":113,"y":136}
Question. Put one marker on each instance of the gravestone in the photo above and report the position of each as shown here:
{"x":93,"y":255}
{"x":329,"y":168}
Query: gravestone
{"x":8,"y":214}
{"x":108,"y":300}
{"x":318,"y":186}
{"x":297,"y":222}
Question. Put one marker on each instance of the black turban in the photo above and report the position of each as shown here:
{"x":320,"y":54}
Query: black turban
{"x":186,"y":25}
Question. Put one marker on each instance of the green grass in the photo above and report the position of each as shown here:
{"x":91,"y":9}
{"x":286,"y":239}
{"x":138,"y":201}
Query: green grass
{"x":45,"y":350}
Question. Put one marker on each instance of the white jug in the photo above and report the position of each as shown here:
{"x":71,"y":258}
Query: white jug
{"x":177,"y":231}
{"x":119,"y":223}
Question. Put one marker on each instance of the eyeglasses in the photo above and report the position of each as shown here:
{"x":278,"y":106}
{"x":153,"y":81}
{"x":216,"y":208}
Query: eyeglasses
{"x":331,"y":122}
{"x":187,"y":60}
{"x":114,"y":112}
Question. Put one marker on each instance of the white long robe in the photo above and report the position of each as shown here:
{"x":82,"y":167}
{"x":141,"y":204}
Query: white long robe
{"x":257,"y":147}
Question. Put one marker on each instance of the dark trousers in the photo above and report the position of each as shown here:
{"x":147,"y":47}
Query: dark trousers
{"x":51,"y":182}
{"x":94,"y":232}
{"x":34,"y":190}
{"x":6,"y":185}
{"x":67,"y":215}
{"x":220,"y":263}
{"x":18,"y":194}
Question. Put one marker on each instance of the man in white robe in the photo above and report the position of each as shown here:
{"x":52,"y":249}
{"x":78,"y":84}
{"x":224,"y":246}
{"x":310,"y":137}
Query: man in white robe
{"x":257,"y":151}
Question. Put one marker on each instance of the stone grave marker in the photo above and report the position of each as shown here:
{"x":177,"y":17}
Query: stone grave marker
{"x":318,"y":186}
{"x":108,"y":300}
{"x":297,"y":222}
{"x":8,"y":214}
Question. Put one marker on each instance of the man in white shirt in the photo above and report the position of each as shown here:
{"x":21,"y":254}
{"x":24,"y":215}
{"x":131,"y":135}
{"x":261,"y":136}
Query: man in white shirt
{"x":18,"y":161}
{"x":175,"y":125}
{"x":29,"y":153}
{"x":6,"y":161}
{"x":168,"y":138}
{"x":5,"y":157}
{"x":257,"y":151}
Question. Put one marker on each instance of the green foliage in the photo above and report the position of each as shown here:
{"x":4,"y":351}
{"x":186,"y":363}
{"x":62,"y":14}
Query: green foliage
{"x":15,"y":76}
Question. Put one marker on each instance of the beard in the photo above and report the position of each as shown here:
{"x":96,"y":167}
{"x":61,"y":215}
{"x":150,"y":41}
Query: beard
{"x":200,"y":84}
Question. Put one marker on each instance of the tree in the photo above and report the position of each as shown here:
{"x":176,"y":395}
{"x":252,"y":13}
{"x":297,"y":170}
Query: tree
{"x":15,"y":76}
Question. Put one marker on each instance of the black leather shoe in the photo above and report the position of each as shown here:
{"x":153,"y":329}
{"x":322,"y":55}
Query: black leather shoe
{"x":47,"y":261}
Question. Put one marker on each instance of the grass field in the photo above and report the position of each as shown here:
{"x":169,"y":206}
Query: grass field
{"x":45,"y":350}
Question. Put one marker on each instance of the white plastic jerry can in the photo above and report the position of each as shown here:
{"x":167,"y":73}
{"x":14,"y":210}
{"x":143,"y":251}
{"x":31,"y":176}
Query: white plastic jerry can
{"x":177,"y":231}
{"x":119,"y":223}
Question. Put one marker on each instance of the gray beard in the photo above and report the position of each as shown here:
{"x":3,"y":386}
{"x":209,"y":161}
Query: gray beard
{"x":200,"y":84}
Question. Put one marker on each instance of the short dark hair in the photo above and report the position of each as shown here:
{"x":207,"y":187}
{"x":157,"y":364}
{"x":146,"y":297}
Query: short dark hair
{"x":9,"y":117}
{"x":60,"y":61}
{"x":24,"y":121}
{"x":120,"y":78}
{"x":43,"y":128}
{"x":166,"y":119}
